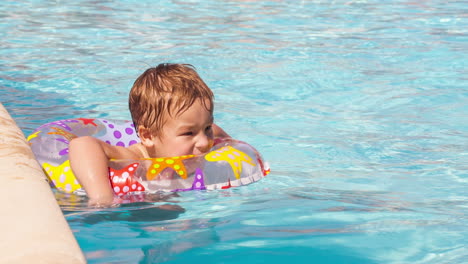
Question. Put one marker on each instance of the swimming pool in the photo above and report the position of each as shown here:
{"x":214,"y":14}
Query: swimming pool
{"x":359,"y":106}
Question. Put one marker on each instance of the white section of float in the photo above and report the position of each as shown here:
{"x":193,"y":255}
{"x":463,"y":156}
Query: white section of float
{"x":32,"y":226}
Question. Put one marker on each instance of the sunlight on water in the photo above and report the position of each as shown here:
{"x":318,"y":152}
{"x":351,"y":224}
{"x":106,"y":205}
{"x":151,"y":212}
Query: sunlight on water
{"x":359,"y":107}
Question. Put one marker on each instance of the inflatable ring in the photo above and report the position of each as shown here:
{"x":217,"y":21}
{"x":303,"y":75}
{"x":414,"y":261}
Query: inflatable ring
{"x":230,"y":162}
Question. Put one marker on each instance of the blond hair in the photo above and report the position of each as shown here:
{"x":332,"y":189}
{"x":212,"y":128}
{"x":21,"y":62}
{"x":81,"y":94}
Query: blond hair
{"x":168,"y":89}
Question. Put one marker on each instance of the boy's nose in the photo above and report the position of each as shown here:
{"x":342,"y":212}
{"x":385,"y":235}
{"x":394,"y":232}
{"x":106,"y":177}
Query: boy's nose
{"x":203,"y":144}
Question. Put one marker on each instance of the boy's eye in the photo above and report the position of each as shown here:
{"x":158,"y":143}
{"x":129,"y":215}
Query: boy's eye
{"x":188,"y":133}
{"x":208,"y":128}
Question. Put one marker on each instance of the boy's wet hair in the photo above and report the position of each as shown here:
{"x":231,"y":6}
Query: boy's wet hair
{"x":168,"y":89}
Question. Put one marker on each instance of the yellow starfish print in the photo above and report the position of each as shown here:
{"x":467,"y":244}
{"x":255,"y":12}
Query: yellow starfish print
{"x":231,"y":155}
{"x":159,"y":164}
{"x":69,"y":136}
{"x":62,"y":176}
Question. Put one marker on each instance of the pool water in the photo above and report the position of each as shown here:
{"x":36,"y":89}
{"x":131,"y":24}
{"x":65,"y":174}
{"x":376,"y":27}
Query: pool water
{"x":360,"y":107}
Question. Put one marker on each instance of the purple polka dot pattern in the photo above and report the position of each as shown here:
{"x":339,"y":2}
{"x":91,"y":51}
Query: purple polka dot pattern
{"x":118,"y":133}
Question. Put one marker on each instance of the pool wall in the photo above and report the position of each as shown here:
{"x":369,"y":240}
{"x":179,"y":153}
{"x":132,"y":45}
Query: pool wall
{"x":32,"y":226}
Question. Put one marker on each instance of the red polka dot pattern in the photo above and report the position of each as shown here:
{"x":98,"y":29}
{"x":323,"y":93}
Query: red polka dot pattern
{"x":124,"y":181}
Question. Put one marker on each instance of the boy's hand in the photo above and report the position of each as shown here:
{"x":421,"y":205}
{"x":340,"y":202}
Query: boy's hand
{"x":104,"y":202}
{"x":167,"y":174}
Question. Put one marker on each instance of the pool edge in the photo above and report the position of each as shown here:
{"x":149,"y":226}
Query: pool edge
{"x":32,"y":225}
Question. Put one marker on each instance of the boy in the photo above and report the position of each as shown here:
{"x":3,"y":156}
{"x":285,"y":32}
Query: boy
{"x":172,"y":109}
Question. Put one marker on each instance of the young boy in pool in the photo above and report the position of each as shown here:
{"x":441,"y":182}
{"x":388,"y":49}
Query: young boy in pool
{"x":172,"y":109}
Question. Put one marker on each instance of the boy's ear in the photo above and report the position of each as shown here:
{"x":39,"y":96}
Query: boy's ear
{"x":145,"y":136}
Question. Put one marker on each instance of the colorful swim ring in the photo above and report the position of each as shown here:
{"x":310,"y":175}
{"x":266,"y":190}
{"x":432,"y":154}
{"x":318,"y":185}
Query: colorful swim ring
{"x":230,"y":162}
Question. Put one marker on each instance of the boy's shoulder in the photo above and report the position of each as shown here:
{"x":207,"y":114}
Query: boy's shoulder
{"x":135,"y":151}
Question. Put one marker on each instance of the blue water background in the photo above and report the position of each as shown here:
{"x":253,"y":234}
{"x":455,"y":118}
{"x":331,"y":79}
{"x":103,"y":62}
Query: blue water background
{"x":361,"y":108}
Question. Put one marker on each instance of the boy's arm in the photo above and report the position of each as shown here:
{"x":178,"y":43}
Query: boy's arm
{"x":89,"y":161}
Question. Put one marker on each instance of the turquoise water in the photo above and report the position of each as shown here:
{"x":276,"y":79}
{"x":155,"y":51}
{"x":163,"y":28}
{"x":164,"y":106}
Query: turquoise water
{"x":360,"y":107}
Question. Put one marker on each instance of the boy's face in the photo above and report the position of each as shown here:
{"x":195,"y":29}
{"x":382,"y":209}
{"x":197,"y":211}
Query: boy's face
{"x":188,"y":133}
